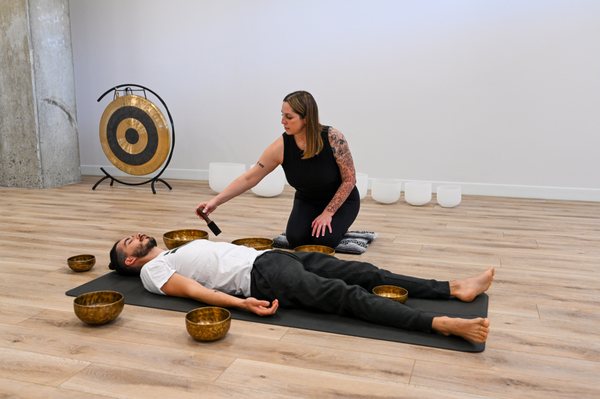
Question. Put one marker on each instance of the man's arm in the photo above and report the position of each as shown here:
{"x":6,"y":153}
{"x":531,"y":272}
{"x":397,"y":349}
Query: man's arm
{"x":182,"y":286}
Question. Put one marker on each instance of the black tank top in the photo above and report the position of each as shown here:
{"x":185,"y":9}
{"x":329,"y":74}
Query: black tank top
{"x":316,"y":178}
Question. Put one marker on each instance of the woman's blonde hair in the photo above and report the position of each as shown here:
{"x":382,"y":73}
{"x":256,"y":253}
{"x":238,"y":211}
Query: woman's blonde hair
{"x":304,"y":104}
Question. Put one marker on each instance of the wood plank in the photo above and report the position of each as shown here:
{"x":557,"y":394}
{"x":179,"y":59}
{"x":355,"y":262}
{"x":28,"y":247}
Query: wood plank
{"x":318,"y":384}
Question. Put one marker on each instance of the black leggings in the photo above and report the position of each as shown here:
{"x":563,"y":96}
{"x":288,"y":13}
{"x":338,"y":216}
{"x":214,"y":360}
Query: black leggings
{"x":298,"y":230}
{"x":317,"y":281}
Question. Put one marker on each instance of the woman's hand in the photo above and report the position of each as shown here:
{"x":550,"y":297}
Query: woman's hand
{"x":206,"y":207}
{"x":321,"y":224}
{"x":259,"y":307}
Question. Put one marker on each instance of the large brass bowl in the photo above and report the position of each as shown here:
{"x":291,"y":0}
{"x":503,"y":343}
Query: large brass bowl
{"x":315,"y":248}
{"x":209,"y":323}
{"x":98,"y":307}
{"x":254,"y":242}
{"x":176,"y":238}
{"x":393,"y":292}
{"x":81,"y":263}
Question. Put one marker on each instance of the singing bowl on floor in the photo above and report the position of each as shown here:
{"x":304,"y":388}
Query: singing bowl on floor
{"x":417,"y":193}
{"x":362,"y":184}
{"x":386,"y":191}
{"x":209,"y":323}
{"x":449,"y":196}
{"x":392,"y":292}
{"x":315,"y":248}
{"x":254,"y":242}
{"x":98,"y":307}
{"x":81,"y":263}
{"x":176,"y":238}
{"x":220,"y":174}
{"x":271,"y":185}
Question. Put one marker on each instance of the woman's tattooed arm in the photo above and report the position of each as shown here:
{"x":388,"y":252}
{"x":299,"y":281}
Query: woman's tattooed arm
{"x":343,"y":157}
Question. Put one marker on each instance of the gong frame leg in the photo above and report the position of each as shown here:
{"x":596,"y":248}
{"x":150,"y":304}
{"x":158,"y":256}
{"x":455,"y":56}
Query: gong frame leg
{"x":106,"y":176}
{"x":114,"y":179}
{"x":162,"y":181}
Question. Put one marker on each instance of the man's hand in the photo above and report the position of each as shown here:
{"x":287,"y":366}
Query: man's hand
{"x":261,"y":308}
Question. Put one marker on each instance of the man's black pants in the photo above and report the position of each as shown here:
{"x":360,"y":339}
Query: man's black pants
{"x":318,"y":281}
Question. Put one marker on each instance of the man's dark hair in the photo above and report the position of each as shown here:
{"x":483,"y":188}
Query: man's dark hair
{"x":117,"y":262}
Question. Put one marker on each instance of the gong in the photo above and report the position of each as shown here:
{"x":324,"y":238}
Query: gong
{"x":134,"y":135}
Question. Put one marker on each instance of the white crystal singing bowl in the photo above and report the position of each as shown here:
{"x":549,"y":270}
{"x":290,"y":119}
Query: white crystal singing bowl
{"x":386,"y":191}
{"x":271,"y":185}
{"x":362,"y":184}
{"x":449,"y":196}
{"x":417,"y":193}
{"x":220,"y":174}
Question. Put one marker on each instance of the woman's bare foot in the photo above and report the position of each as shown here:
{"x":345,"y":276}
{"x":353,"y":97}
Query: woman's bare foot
{"x":467,"y":289}
{"x":473,"y":330}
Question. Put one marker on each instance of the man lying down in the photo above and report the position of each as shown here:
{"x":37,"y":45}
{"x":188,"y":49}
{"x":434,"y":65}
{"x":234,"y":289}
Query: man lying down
{"x":220,"y":274}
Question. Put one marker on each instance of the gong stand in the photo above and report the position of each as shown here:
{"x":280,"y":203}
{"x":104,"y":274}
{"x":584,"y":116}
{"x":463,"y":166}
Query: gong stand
{"x":128,"y":90}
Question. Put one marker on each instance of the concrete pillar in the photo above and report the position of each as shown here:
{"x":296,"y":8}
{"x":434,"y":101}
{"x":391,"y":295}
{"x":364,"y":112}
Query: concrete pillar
{"x":39,"y":146}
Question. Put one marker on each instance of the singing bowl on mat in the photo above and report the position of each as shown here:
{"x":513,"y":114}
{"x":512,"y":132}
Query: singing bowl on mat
{"x":254,"y":242}
{"x":176,"y":238}
{"x":98,"y":307}
{"x":209,"y":323}
{"x":315,"y":248}
{"x":392,"y":292}
{"x":81,"y":263}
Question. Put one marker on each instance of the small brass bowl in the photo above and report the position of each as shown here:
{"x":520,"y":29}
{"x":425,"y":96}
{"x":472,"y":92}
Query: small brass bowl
{"x":81,"y":263}
{"x":176,"y":238}
{"x":255,"y":242}
{"x":209,"y":323}
{"x":393,"y":292}
{"x":98,"y":307}
{"x":315,"y":248}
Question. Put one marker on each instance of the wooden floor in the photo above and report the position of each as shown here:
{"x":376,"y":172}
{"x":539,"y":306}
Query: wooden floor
{"x":544,"y":304}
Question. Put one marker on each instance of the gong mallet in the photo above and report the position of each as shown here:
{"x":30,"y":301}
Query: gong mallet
{"x":211,"y":225}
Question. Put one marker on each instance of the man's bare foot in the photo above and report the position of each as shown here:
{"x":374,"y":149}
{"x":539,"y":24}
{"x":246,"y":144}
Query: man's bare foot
{"x":473,"y":330}
{"x":467,"y":289}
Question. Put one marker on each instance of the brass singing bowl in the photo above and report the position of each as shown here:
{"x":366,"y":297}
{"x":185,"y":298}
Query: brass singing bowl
{"x":209,"y":323}
{"x":393,"y":292}
{"x":98,"y":307}
{"x":176,"y":238}
{"x":81,"y":263}
{"x":255,"y":242}
{"x":315,"y":248}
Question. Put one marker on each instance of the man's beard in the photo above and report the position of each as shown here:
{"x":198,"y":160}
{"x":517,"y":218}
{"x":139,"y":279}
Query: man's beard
{"x":143,"y":251}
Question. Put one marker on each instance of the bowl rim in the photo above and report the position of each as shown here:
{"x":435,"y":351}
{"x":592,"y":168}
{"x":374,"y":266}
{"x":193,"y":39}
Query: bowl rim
{"x":314,"y":245}
{"x":253,"y":239}
{"x":120,"y":299}
{"x":227,"y":312}
{"x":176,"y":230}
{"x":261,"y":241}
{"x":89,"y":258}
{"x":403,"y":291}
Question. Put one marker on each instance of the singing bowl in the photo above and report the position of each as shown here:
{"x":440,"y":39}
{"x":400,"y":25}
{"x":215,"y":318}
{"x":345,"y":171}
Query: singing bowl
{"x":449,"y":196}
{"x":417,"y":193}
{"x":98,"y":307}
{"x":209,"y":323}
{"x":386,"y":191}
{"x":315,"y":248}
{"x":393,"y":292}
{"x":81,"y":263}
{"x":176,"y":238}
{"x":255,"y":242}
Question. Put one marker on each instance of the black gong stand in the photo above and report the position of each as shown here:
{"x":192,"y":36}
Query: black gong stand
{"x":128,"y":89}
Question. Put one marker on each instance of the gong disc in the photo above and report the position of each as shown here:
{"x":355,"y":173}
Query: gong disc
{"x":134,"y":135}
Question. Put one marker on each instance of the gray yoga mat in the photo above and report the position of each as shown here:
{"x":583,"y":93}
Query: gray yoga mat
{"x":132,"y":289}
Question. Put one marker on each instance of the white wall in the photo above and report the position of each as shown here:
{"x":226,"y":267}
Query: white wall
{"x":502,"y":96}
